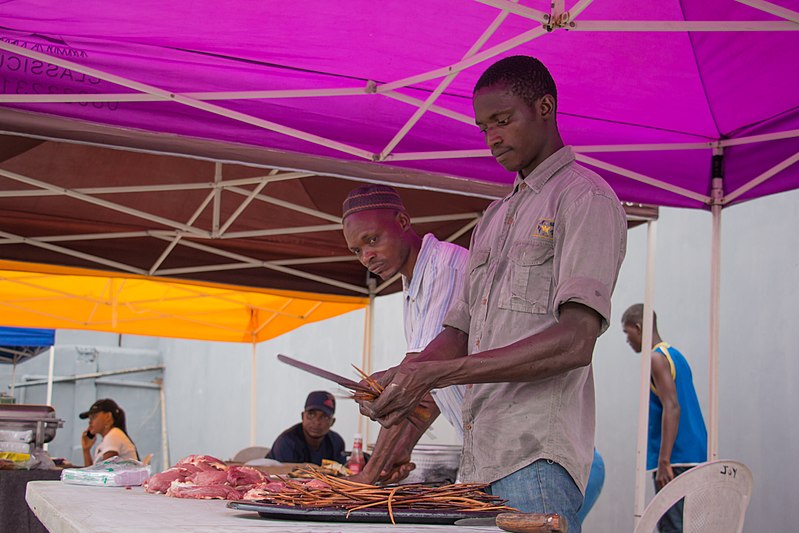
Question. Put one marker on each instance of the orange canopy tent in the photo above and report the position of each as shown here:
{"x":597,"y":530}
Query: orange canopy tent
{"x":74,"y":298}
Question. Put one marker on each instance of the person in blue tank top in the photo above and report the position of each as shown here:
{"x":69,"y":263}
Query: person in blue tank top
{"x":677,"y":433}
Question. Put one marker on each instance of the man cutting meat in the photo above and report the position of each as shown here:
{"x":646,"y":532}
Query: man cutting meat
{"x":543,"y":263}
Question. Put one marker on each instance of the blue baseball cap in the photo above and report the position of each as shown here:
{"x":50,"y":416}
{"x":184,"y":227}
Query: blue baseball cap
{"x":322,"y":401}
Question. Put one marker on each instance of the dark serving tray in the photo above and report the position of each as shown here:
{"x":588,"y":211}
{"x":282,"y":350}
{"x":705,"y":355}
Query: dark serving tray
{"x":332,"y":514}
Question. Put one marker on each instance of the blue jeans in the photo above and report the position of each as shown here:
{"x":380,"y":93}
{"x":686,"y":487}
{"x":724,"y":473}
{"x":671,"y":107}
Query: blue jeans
{"x":594,"y":485}
{"x":542,"y":487}
{"x":671,"y":521}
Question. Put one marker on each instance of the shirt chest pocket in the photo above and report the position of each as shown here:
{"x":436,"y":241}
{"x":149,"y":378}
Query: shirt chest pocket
{"x":529,"y":277}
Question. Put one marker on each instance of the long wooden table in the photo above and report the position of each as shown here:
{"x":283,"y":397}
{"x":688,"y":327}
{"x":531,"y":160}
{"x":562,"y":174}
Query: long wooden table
{"x":64,"y":508}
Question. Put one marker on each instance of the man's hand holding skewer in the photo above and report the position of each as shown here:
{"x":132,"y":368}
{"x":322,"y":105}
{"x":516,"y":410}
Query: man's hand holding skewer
{"x":403,"y":389}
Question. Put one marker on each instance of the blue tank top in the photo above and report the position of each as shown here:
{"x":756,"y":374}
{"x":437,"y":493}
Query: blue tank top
{"x":690,"y":446}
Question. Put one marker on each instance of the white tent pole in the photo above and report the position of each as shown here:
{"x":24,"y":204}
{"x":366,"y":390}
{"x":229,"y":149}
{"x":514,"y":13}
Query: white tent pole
{"x":646,"y":147}
{"x":776,"y":136}
{"x":681,"y":26}
{"x":585,"y":149}
{"x":578,"y":8}
{"x":253,"y":389}
{"x":204,"y":96}
{"x":240,"y":209}
{"x":178,"y":235}
{"x":287,"y":205}
{"x":217,"y":207}
{"x":272,"y":266}
{"x":463,"y":64}
{"x":768,"y":174}
{"x":715,"y":302}
{"x":637,"y":176}
{"x":768,"y":7}
{"x":442,"y":154}
{"x":454,"y":115}
{"x":13,"y":376}
{"x":366,"y":358}
{"x":73,"y":253}
{"x":98,"y":201}
{"x":50,"y":368}
{"x":164,"y":436}
{"x":643,"y":400}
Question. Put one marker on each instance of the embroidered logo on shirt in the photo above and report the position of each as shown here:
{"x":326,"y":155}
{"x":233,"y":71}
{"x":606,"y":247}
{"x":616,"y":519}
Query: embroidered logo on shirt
{"x":545,"y":229}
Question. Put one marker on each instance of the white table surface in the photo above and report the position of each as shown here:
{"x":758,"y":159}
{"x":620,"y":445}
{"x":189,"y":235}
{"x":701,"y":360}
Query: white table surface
{"x":65,"y":508}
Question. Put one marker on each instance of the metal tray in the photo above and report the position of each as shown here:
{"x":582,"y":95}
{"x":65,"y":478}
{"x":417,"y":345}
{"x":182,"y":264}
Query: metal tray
{"x":379,"y":516}
{"x":39,"y":418}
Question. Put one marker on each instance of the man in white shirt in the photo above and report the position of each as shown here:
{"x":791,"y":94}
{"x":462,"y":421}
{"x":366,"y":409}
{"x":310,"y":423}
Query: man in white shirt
{"x":378,"y":230}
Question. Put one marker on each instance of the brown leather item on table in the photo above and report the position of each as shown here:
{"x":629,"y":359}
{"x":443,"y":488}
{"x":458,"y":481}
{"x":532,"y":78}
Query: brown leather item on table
{"x":531,"y":523}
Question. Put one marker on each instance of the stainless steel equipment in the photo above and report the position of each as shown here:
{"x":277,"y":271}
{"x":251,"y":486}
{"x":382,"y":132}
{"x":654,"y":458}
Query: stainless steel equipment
{"x":39,"y":419}
{"x":435,"y":462}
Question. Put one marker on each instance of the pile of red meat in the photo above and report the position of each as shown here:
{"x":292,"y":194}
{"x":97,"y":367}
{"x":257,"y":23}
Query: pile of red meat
{"x":207,"y":478}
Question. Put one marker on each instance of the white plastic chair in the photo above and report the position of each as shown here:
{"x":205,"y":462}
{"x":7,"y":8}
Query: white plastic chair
{"x":249,"y":453}
{"x":716,"y":497}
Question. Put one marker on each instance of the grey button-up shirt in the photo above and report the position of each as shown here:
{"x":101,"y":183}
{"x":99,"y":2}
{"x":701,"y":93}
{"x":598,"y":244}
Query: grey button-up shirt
{"x":559,"y":237}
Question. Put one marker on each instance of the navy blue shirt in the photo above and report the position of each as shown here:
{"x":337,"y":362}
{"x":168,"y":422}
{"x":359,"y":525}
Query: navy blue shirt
{"x":290,"y":447}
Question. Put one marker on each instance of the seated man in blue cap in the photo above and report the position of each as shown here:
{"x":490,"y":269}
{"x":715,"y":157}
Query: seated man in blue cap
{"x":311,"y":440}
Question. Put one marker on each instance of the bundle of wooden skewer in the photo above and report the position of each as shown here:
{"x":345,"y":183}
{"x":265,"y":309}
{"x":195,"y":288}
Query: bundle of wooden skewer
{"x":352,"y":496}
{"x":420,"y":415}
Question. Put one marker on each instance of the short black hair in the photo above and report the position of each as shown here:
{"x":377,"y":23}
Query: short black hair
{"x":525,"y":76}
{"x":635,"y":315}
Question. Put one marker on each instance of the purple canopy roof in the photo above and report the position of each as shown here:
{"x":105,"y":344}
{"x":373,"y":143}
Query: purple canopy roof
{"x":623,"y":80}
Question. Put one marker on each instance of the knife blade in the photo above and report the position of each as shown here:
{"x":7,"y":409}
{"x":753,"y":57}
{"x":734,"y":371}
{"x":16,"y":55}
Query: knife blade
{"x":420,"y":412}
{"x":322,"y":373}
{"x":483,"y":521}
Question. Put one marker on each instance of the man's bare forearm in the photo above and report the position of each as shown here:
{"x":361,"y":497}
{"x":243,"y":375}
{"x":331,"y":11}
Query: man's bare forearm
{"x":567,"y":345}
{"x":388,"y":440}
{"x":451,"y":343}
{"x":669,"y":426}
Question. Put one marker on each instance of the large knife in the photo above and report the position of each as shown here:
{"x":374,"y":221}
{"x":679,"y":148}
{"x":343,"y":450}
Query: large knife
{"x":421,"y":412}
{"x":322,"y":373}
{"x":520,"y":522}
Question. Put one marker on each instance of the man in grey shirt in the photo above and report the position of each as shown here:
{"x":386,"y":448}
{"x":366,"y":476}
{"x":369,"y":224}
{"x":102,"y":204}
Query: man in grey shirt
{"x":543,"y":263}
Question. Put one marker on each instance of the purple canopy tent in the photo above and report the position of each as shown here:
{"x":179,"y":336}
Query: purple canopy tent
{"x":691,"y":103}
{"x":647,"y":90}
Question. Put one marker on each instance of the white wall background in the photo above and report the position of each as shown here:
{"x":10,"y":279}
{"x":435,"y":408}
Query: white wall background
{"x":208,"y":384}
{"x":758,"y":370}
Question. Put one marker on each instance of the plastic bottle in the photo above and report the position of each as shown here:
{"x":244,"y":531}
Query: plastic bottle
{"x":356,"y":461}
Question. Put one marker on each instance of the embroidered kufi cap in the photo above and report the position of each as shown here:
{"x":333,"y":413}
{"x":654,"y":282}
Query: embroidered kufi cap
{"x":372,"y":197}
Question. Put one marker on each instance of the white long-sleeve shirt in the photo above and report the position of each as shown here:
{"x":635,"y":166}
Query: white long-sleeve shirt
{"x":437,"y":280}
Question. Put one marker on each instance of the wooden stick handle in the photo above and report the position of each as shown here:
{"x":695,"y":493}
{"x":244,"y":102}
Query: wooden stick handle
{"x":531,"y":523}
